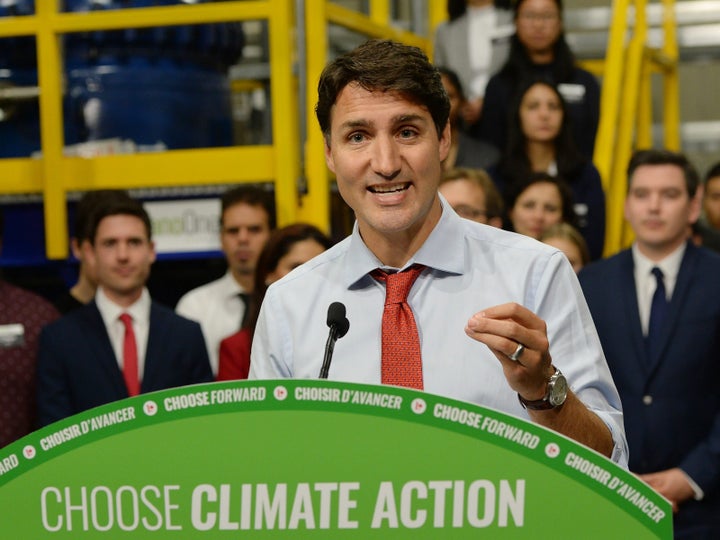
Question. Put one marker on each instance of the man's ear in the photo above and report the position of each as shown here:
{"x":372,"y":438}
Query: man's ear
{"x":75,"y":248}
{"x":153,"y":253}
{"x":328,"y":153}
{"x":696,"y":204}
{"x":445,"y":142}
{"x":87,"y":251}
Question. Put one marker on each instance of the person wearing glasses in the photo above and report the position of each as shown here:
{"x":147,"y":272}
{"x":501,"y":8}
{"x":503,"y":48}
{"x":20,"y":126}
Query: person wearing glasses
{"x":472,"y":194}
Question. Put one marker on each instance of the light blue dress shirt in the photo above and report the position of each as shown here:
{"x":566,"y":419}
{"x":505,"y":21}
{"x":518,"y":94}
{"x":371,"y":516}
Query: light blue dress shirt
{"x":469,"y":267}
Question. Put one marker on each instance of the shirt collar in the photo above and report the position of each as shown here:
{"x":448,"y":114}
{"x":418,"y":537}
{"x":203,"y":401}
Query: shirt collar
{"x":232,"y":287}
{"x":670,"y":265}
{"x":110,"y":311}
{"x":442,"y":250}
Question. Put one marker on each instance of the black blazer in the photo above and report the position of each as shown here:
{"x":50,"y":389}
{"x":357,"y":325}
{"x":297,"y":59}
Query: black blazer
{"x":77,"y":368}
{"x":671,"y":403}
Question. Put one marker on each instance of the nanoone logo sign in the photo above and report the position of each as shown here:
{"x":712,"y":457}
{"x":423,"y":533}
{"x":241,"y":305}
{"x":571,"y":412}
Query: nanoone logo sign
{"x":185,"y":225}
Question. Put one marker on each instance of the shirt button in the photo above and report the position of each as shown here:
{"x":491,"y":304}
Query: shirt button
{"x":647,"y":400}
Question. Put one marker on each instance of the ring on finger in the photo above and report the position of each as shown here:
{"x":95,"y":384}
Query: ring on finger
{"x":518,"y":353}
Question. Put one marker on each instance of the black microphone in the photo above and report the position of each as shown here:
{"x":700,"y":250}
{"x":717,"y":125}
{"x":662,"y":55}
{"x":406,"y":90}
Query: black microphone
{"x":339,"y":326}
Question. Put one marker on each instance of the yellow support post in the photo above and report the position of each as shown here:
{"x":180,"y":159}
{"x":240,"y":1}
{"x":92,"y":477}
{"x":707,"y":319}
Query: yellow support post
{"x":283,"y":89}
{"x":437,"y":13}
{"x":380,"y":12}
{"x":50,"y":72}
{"x":620,"y":234}
{"x":606,"y":144}
{"x":671,"y":83}
{"x":315,"y":207}
{"x":644,"y":114}
{"x":610,"y":97}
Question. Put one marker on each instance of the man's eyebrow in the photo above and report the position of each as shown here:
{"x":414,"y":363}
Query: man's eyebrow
{"x":396,"y":120}
{"x":352,"y":124}
{"x":409,"y":118}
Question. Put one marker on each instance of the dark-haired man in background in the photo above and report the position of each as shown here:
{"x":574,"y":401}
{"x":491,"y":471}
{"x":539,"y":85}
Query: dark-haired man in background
{"x":246,"y":219}
{"x":83,"y":291}
{"x":659,"y":324}
{"x":122,"y":343}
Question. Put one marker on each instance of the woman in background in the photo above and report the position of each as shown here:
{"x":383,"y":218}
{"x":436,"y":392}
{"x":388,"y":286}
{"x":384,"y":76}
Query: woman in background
{"x":568,"y":239}
{"x":540,"y":140}
{"x":286,"y":249}
{"x":539,"y":203}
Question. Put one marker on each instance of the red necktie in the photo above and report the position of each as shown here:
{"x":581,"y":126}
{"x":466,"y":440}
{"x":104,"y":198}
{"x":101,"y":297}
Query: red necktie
{"x":130,"y":358}
{"x":401,"y":358}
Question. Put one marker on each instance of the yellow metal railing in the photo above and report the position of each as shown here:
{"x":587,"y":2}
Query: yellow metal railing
{"x":625,"y":121}
{"x":626,"y":112}
{"x":54,"y":175}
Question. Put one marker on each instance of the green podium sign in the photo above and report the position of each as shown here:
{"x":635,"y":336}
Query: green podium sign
{"x":313,"y":459}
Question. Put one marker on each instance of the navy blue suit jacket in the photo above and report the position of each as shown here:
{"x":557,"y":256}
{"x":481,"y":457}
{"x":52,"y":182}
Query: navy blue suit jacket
{"x":77,"y":368}
{"x":671,"y":403}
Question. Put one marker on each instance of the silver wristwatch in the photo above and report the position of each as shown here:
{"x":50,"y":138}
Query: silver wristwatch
{"x":555,"y":395}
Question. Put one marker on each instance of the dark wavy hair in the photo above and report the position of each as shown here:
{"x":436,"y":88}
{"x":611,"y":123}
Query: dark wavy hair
{"x":519,"y":64}
{"x":515,"y":165}
{"x":384,"y":66}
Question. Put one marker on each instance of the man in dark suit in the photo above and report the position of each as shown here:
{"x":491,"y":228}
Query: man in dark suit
{"x":660,"y":331}
{"x":122,"y":343}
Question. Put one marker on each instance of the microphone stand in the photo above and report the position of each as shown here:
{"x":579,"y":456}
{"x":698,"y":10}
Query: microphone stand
{"x":329,"y":348}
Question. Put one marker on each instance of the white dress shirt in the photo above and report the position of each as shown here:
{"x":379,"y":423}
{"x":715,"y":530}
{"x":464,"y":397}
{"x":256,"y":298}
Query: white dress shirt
{"x":140,"y":313}
{"x":469,"y":267}
{"x":218,"y":309}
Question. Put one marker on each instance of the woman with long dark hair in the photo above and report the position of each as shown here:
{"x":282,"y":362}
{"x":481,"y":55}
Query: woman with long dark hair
{"x":540,"y":139}
{"x":539,"y":50}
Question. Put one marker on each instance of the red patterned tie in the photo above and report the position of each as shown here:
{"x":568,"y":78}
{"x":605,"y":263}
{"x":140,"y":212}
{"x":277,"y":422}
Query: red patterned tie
{"x":401,"y":358}
{"x":130,"y":359}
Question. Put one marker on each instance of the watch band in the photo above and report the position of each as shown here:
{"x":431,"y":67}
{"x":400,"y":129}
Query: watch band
{"x":536,"y":404}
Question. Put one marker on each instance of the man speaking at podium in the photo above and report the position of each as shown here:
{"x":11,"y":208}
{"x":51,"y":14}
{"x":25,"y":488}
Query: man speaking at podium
{"x":434,"y":301}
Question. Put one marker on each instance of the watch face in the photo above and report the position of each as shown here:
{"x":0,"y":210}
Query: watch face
{"x":559,"y":390}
